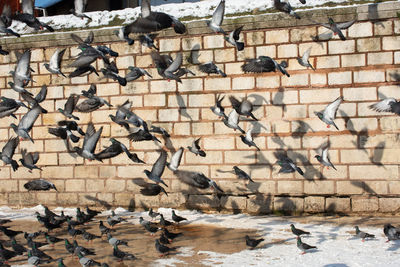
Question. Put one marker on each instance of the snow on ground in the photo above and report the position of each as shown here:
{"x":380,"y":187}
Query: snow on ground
{"x":181,"y":10}
{"x":336,"y":245}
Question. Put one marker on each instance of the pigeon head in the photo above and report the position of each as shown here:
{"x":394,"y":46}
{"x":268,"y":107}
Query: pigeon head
{"x":15,"y":127}
{"x":284,"y":64}
{"x":357,"y":229}
{"x":331,"y":22}
{"x":292,"y":226}
{"x":163,"y":190}
{"x":147,"y":172}
{"x":319,"y":114}
{"x":318,"y":157}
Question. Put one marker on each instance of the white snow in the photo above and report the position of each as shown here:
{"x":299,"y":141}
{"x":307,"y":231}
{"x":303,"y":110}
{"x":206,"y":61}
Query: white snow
{"x":336,"y":244}
{"x":198,"y":10}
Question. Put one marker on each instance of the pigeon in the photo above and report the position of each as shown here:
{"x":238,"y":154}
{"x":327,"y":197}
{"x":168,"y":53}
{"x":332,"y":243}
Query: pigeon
{"x":70,"y":106}
{"x":8,"y":106}
{"x":82,"y":250}
{"x":304,"y":60}
{"x":303,"y":246}
{"x":147,"y":40}
{"x":177,"y":218}
{"x":244,"y":108}
{"x":22,"y":72}
{"x":86,"y":261}
{"x":232,"y":121}
{"x":391,"y":232}
{"x":264,"y":64}
{"x":158,"y":169}
{"x":387,"y":105}
{"x":87,"y":57}
{"x":134,"y":157}
{"x":39,"y":98}
{"x":252,"y":243}
{"x":288,"y":166}
{"x":164,"y":250}
{"x":217,"y":18}
{"x":60,"y":263}
{"x":107,"y":51}
{"x":27,"y":16}
{"x":114,"y":241}
{"x":135,"y":73}
{"x":121,"y":255}
{"x":170,"y":235}
{"x":198,"y":180}
{"x":298,"y":232}
{"x":89,"y":142}
{"x":195,"y":148}
{"x":218,"y":109}
{"x":63,"y":133}
{"x":93,"y":102}
{"x":363,"y":235}
{"x":8,"y":151}
{"x":142,"y":135}
{"x":163,"y":222}
{"x":241,"y":174}
{"x":149,"y":189}
{"x":248,"y":139}
{"x":156,"y":129}
{"x":324,"y":158}
{"x":175,"y":160}
{"x":29,"y":160}
{"x":35,"y":260}
{"x":112,"y":72}
{"x":81,"y":71}
{"x":71,"y":229}
{"x":3,"y":52}
{"x":39,"y":253}
{"x":83,"y":43}
{"x":26,"y":123}
{"x":286,"y":8}
{"x":55,"y":62}
{"x":233,"y":38}
{"x":124,"y":116}
{"x":302,"y":1}
{"x":109,"y":152}
{"x":210,"y":67}
{"x":18,"y":248}
{"x":79,"y":10}
{"x":6,"y":21}
{"x":89,"y":236}
{"x":104,"y":229}
{"x":335,"y":28}
{"x":52,"y":239}
{"x":164,"y":240}
{"x":10,"y":233}
{"x":169,"y":72}
{"x":153,"y":214}
{"x":328,"y":115}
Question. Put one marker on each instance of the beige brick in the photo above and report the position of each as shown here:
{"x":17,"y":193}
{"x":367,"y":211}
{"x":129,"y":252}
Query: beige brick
{"x":224,"y":55}
{"x":95,"y":185}
{"x":317,"y":49}
{"x":356,"y":60}
{"x":318,"y":79}
{"x":157,"y":100}
{"x":170,"y":44}
{"x":389,"y":91}
{"x":390,"y":43}
{"x":368,"y":76}
{"x":191,"y":43}
{"x":212,"y":84}
{"x":389,"y":204}
{"x":364,"y":204}
{"x":115,"y":185}
{"x":376,"y":187}
{"x":383,"y":28}
{"x":242,"y":157}
{"x":125,"y":62}
{"x":162,"y":86}
{"x":389,"y":123}
{"x":288,"y":141}
{"x":360,"y":124}
{"x":203,"y":201}
{"x":334,"y":204}
{"x":368,"y":44}
{"x":290,"y":187}
{"x":359,"y":94}
{"x":182,"y":128}
{"x":380,"y":58}
{"x":206,"y":56}
{"x":339,"y":77}
{"x":242,"y":83}
{"x":86,"y":172}
{"x":314,"y":142}
{"x":267,"y":50}
{"x":213,"y":41}
{"x":373,"y":172}
{"x":295,"y":111}
{"x":285,"y":51}
{"x":268,"y":82}
{"x":143,"y":61}
{"x":75,"y":185}
{"x":341,"y":47}
{"x":202,"y":128}
{"x":248,"y":52}
{"x":295,"y":80}
{"x":9,"y":186}
{"x":168,"y":115}
{"x":233,"y":203}
{"x":202,"y":100}
{"x":233,"y":68}
{"x":288,"y":204}
{"x":314,"y":204}
{"x":259,"y":204}
{"x":354,"y":156}
{"x":328,"y":62}
{"x":302,"y":34}
{"x":190,"y":85}
{"x":363,"y":29}
{"x":219,"y":143}
{"x":277,"y":36}
{"x":349,"y":187}
{"x":396,"y":57}
{"x":255,"y":38}
{"x":317,"y":96}
{"x":57,"y":172}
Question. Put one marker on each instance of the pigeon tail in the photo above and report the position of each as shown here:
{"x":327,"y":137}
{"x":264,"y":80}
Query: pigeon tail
{"x":14,"y":165}
{"x":202,"y":153}
{"x":334,"y":124}
{"x":300,"y":171}
{"x":240,"y":46}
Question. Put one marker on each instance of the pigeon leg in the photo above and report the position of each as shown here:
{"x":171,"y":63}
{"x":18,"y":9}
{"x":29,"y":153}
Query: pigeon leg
{"x":303,"y":253}
{"x":328,"y":126}
{"x":327,"y":168}
{"x":363,"y":240}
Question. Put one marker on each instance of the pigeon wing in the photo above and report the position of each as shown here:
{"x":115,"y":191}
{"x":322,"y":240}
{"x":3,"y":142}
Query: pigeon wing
{"x":145,"y":8}
{"x":235,"y":103}
{"x":41,"y":96}
{"x":249,"y":137}
{"x":79,"y":6}
{"x":91,"y":142}
{"x":29,"y":118}
{"x":345,"y":25}
{"x":9,"y":148}
{"x":23,"y":63}
{"x":143,"y":25}
{"x":323,"y":36}
{"x":77,"y":38}
{"x":159,"y":166}
{"x":89,"y":39}
{"x":236,"y":33}
{"x":324,"y":154}
{"x":27,"y":6}
{"x":383,"y":105}
{"x":306,"y":55}
{"x":219,"y":12}
{"x":233,"y":117}
{"x":176,"y":64}
{"x":331,"y":109}
{"x":35,"y":157}
{"x":196,"y":143}
{"x":176,"y":158}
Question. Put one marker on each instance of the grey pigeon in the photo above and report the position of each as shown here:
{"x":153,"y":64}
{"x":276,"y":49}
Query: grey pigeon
{"x":210,"y":67}
{"x":35,"y":260}
{"x":233,"y":38}
{"x":198,"y":180}
{"x":241,"y":174}
{"x":387,"y":105}
{"x":142,"y":135}
{"x":132,"y":156}
{"x":121,"y":255}
{"x":39,"y":185}
{"x":218,"y":109}
{"x":114,"y":241}
{"x":8,"y":151}
{"x":29,"y":160}
{"x":298,"y":232}
{"x":81,"y":71}
{"x":158,"y":169}
{"x":111,"y":72}
{"x":27,"y":16}
{"x":153,"y":214}
{"x":147,"y":40}
{"x":335,"y":28}
{"x":93,"y":102}
{"x":89,"y":142}
{"x":83,"y":43}
{"x":175,"y":160}
{"x":244,"y":108}
{"x":328,"y":115}
{"x":169,"y":73}
{"x":87,"y":261}
{"x":362,"y":235}
{"x":217,"y":18}
{"x":288,"y":166}
{"x":22,"y":73}
{"x":26,"y":123}
{"x":195,"y":148}
{"x":324,"y":158}
{"x":39,"y":98}
{"x":149,"y":189}
{"x":8,"y":106}
{"x":55,"y":62}
{"x":109,"y":152}
{"x":252,"y":243}
{"x":164,"y":250}
{"x":159,"y":130}
{"x":176,"y":218}
{"x":305,"y":59}
{"x":69,"y":107}
{"x":135,"y":73}
{"x":248,"y":139}
{"x":107,"y":51}
{"x":264,"y":64}
{"x":6,"y":21}
{"x":232,"y":121}
{"x":391,"y":232}
{"x":79,"y":10}
{"x":303,"y":246}
{"x":124,"y":116}
{"x":286,"y":8}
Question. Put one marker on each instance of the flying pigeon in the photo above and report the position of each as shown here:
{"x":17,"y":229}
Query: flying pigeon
{"x":286,"y":8}
{"x":79,"y":10}
{"x":232,"y":121}
{"x":328,"y":115}
{"x":217,"y":18}
{"x":169,"y":72}
{"x":26,"y":123}
{"x":304,"y":60}
{"x":81,"y":71}
{"x":233,"y":38}
{"x":175,"y":160}
{"x":324,"y":158}
{"x":83,"y":43}
{"x":363,"y":235}
{"x":264,"y":64}
{"x":252,"y":243}
{"x":195,"y":148}
{"x":39,"y":185}
{"x":244,"y":108}
{"x":303,"y":246}
{"x":27,"y":16}
{"x":55,"y":62}
{"x":111,"y":72}
{"x":93,"y":102}
{"x":241,"y":174}
{"x":22,"y":73}
{"x":387,"y":105}
{"x":8,"y":151}
{"x":210,"y":67}
{"x":288,"y":166}
{"x":298,"y":232}
{"x":198,"y":180}
{"x":132,"y":156}
{"x":89,"y":142}
{"x":177,"y":218}
{"x":158,"y":169}
{"x":107,"y":51}
{"x":149,"y":189}
{"x":147,"y":40}
{"x":135,"y":73}
{"x":159,"y":130}
{"x":69,"y":107}
{"x":29,"y":160}
{"x":335,"y":29}
{"x":8,"y":106}
{"x":142,"y":135}
{"x":248,"y":139}
{"x":39,"y":98}
{"x":6,"y":21}
{"x":218,"y":109}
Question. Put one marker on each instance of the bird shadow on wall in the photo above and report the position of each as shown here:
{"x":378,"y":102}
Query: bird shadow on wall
{"x":278,"y":99}
{"x":103,"y":203}
{"x":194,"y":55}
{"x":182,"y":107}
{"x":373,"y":14}
{"x":301,"y":129}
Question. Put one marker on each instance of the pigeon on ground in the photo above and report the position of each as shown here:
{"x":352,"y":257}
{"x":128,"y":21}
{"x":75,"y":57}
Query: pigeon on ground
{"x":305,"y":59}
{"x":303,"y":246}
{"x":87,"y":261}
{"x":26,"y":123}
{"x":18,"y":248}
{"x":121,"y":255}
{"x":391,"y":232}
{"x":35,"y":260}
{"x":218,"y":109}
{"x":159,"y":130}
{"x":241,"y":174}
{"x":39,"y":253}
{"x":335,"y":29}
{"x":114,"y":241}
{"x":104,"y":229}
{"x":164,"y":250}
{"x":71,"y":229}
{"x":387,"y":105}
{"x":363,"y":235}
{"x":89,"y":142}
{"x":135,"y":73}
{"x":252,"y":243}
{"x":286,"y":8}
{"x":298,"y":232}
{"x":52,"y":239}
{"x":81,"y":71}
{"x":10,"y":233}
{"x":244,"y":108}
{"x":147,"y":40}
{"x":164,"y":240}
{"x":232,"y":121}
{"x":248,"y":139}
{"x":163,"y":222}
{"x":210,"y":67}
{"x":8,"y":106}
{"x":80,"y":6}
{"x":150,"y":189}
{"x":89,"y":236}
{"x":324,"y":158}
{"x":55,"y":62}
{"x":6,"y":21}
{"x":217,"y":18}
{"x":8,"y":151}
{"x":39,"y":98}
{"x":29,"y":160}
{"x":328,"y":115}
{"x":264,"y":64}
{"x":175,"y":160}
{"x":195,"y":148}
{"x":233,"y":39}
{"x":84,"y":251}
{"x":27,"y":16}
{"x":70,"y":106}
{"x":170,"y":235}
{"x":288,"y":166}
{"x":177,"y":218}
{"x":153,"y":214}
{"x":158,"y":169}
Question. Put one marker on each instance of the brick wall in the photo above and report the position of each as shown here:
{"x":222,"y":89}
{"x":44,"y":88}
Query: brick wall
{"x":365,"y":150}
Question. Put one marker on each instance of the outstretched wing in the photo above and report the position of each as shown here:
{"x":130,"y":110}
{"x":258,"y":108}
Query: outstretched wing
{"x":219,"y":12}
{"x":345,"y":25}
{"x":331,"y":109}
{"x":383,"y":105}
{"x":159,"y":166}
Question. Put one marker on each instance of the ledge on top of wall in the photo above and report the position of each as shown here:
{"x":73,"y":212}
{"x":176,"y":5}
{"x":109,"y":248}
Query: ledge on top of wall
{"x":363,"y":12}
